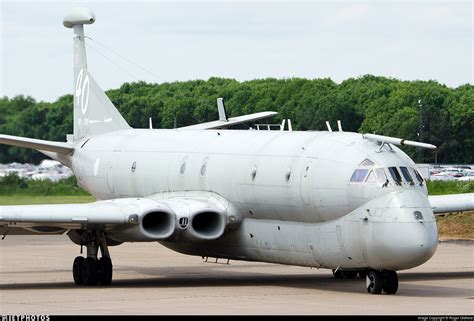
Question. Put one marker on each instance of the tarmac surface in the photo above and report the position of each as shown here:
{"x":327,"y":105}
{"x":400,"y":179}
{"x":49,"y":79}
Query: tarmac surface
{"x":36,"y":278}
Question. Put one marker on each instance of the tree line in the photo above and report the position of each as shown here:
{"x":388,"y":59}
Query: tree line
{"x":425,"y":111}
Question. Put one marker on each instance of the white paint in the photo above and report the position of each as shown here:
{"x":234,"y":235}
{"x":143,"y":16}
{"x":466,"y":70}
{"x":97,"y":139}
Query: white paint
{"x":85,"y":101}
{"x":78,"y":91}
{"x":96,"y":166}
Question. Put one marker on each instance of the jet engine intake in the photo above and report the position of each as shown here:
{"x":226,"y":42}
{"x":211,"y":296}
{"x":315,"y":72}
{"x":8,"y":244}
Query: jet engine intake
{"x":208,"y":225}
{"x":158,"y":224}
{"x":150,"y":221}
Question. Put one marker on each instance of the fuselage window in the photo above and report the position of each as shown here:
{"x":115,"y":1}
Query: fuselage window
{"x":406,"y":175}
{"x":381,"y":177}
{"x":395,"y":175}
{"x":359,"y":175}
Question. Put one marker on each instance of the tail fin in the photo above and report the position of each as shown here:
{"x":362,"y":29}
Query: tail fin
{"x":94,"y":113}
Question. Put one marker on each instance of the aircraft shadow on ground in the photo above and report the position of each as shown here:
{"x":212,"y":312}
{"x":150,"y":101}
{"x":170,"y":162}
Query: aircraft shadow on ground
{"x":182,"y":277}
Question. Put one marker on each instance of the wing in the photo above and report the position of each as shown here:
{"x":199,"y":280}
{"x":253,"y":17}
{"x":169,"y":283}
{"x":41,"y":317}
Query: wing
{"x":232,"y":121}
{"x":224,"y":122}
{"x":452,"y":203}
{"x":125,"y":219}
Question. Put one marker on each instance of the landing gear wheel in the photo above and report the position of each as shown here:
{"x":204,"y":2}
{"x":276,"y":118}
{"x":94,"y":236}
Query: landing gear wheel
{"x":105,"y":271}
{"x":390,"y":285}
{"x":77,"y":270}
{"x":89,"y":271}
{"x":374,"y":282}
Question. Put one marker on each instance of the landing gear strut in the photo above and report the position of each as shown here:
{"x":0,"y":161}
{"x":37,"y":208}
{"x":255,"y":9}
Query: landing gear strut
{"x":378,"y":281}
{"x":90,"y":270}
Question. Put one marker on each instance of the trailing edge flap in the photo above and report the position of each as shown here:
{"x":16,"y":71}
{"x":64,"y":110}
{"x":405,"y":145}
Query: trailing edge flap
{"x":44,"y":145}
{"x":217,"y":124}
{"x":452,"y":203}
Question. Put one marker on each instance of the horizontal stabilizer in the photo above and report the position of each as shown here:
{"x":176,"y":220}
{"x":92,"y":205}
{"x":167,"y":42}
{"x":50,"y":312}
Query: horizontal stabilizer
{"x":217,"y":124}
{"x":397,"y":141}
{"x":452,"y":203}
{"x":44,"y":145}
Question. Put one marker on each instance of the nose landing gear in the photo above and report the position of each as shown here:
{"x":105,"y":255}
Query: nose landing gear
{"x":90,"y":270}
{"x":378,"y":281}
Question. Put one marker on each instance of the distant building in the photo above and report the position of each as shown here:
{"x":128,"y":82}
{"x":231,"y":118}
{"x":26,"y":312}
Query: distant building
{"x":47,"y":170}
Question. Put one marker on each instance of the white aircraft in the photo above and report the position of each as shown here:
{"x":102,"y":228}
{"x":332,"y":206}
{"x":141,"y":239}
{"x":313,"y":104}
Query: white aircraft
{"x":350,"y":202}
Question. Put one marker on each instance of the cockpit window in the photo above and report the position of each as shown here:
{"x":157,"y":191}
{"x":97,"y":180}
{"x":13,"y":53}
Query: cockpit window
{"x":371,"y":178}
{"x":418,"y":176}
{"x":406,"y":175}
{"x":395,"y":175}
{"x":381,"y":177}
{"x":366,"y":162}
{"x":359,"y":175}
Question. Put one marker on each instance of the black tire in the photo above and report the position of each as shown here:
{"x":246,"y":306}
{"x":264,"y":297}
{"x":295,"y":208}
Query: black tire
{"x":105,"y":271}
{"x":390,"y":282}
{"x":374,"y":282}
{"x":338,"y":274}
{"x":77,"y":270}
{"x":89,"y":271}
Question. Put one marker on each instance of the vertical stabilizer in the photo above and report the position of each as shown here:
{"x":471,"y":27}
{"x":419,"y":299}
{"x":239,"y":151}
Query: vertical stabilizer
{"x":94,"y":113}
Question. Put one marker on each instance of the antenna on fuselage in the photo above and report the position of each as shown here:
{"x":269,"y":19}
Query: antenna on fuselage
{"x":151,"y":123}
{"x":339,"y":126}
{"x":282,"y":126}
{"x":328,"y":125}
{"x":221,"y":109}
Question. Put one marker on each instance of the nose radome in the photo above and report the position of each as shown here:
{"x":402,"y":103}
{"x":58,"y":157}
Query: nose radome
{"x":402,"y":246}
{"x":405,"y":235}
{"x":409,"y":199}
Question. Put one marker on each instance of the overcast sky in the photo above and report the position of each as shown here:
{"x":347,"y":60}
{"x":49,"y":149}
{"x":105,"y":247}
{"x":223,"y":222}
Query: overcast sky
{"x":183,"y":40}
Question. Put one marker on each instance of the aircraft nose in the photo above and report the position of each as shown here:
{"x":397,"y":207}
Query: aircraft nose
{"x":404,"y":237}
{"x":406,"y":245}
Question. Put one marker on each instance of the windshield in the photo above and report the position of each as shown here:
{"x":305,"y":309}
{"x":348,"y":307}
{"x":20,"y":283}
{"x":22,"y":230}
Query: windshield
{"x":406,"y":175}
{"x":359,"y":175}
{"x":418,"y":176}
{"x":395,"y":175}
{"x":381,"y":177}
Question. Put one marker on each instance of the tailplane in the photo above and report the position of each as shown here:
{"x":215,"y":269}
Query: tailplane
{"x":94,"y":113}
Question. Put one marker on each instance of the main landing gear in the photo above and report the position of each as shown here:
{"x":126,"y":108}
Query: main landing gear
{"x":378,"y":281}
{"x":90,"y":270}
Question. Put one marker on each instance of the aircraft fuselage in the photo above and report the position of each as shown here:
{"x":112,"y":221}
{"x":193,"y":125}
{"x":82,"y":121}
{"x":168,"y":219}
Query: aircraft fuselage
{"x":291,"y":191}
